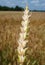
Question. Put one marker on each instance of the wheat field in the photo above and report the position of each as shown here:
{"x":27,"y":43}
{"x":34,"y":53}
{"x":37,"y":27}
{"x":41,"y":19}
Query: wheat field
{"x":10,"y":23}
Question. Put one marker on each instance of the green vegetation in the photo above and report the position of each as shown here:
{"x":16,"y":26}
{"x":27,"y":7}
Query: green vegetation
{"x":17,"y":8}
{"x":5,"y":8}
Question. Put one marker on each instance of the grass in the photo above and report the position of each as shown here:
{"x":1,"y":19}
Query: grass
{"x":10,"y":23}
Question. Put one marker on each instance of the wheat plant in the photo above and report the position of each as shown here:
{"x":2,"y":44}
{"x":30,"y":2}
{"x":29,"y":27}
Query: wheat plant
{"x":23,"y":36}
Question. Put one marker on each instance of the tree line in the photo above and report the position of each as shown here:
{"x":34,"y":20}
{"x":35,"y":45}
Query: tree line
{"x":5,"y":8}
{"x":17,"y":8}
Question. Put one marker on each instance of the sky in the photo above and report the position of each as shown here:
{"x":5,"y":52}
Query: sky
{"x":33,"y":4}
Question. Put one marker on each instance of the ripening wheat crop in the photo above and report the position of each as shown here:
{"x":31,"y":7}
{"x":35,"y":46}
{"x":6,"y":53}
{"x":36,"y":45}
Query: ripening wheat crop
{"x":10,"y":23}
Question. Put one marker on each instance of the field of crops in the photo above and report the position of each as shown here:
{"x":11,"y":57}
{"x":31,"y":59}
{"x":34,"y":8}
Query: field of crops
{"x":10,"y":23}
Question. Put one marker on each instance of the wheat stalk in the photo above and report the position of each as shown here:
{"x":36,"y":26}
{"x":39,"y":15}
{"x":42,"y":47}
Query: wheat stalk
{"x":23,"y":35}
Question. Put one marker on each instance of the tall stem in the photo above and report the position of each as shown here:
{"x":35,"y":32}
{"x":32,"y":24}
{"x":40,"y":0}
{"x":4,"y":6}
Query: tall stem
{"x":23,"y":36}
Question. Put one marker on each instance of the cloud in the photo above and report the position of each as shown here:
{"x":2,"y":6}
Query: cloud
{"x":35,"y":1}
{"x":40,"y":4}
{"x":11,"y":3}
{"x":43,"y":4}
{"x":33,"y":4}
